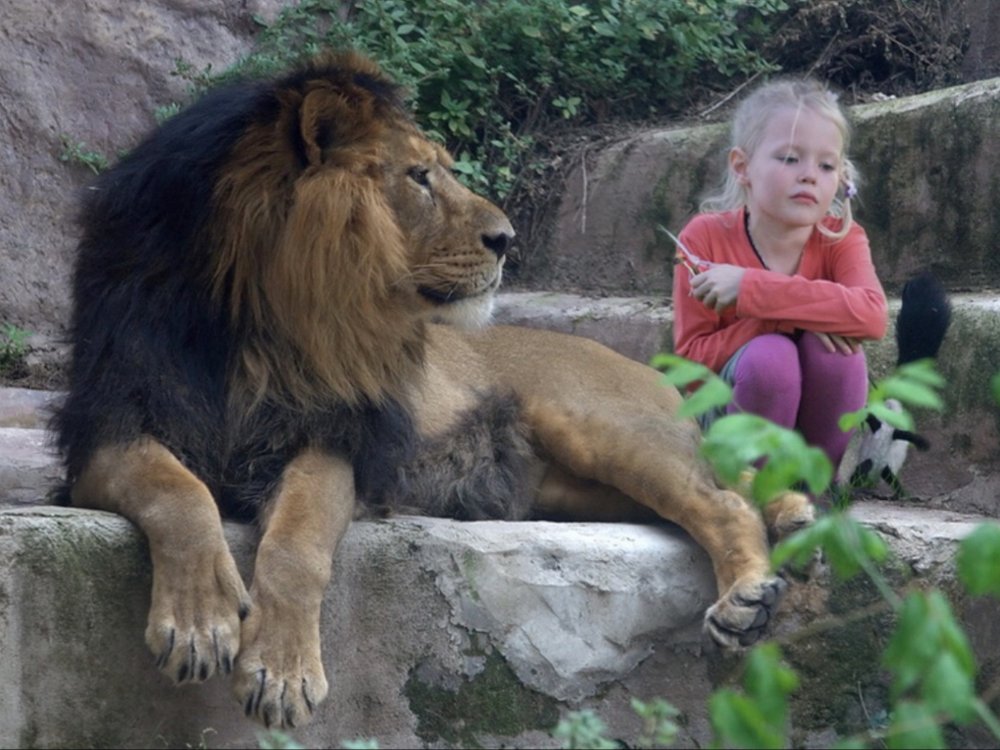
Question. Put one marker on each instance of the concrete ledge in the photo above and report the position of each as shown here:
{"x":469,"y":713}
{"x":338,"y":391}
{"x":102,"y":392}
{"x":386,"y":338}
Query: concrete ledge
{"x":538,"y":613}
{"x":440,"y":633}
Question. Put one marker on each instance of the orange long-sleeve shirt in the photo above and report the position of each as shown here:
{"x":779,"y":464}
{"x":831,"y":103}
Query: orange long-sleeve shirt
{"x":834,"y":290}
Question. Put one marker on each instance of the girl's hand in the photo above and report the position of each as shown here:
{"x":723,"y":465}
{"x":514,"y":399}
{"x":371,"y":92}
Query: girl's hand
{"x":835,"y":343}
{"x":718,"y":286}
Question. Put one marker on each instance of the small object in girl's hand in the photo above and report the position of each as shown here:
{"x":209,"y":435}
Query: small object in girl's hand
{"x":685,"y":257}
{"x":680,"y":260}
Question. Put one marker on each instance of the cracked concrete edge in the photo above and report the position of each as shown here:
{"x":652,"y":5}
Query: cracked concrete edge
{"x":583,"y":615}
{"x":409,"y":593}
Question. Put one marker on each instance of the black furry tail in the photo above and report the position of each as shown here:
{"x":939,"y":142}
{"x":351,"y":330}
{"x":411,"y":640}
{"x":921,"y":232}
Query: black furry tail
{"x":877,"y":451}
{"x":923,"y":319}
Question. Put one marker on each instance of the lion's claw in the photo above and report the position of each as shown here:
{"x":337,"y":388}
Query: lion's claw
{"x":194,"y":620}
{"x":740,"y":617}
{"x":278,"y":676}
{"x":281,"y":703}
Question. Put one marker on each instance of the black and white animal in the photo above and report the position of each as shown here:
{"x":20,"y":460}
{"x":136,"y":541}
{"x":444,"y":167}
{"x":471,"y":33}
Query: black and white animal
{"x":878,"y":450}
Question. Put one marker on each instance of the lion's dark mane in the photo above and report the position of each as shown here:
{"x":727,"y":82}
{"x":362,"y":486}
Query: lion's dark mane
{"x":153,"y":351}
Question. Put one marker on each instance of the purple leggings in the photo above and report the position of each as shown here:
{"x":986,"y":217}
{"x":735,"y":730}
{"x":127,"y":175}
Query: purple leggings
{"x":798,"y":384}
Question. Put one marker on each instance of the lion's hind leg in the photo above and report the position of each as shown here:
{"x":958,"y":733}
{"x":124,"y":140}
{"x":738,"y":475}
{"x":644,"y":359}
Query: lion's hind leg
{"x":198,"y":597}
{"x":279,"y":677}
{"x":785,"y":514}
{"x":653,"y":459}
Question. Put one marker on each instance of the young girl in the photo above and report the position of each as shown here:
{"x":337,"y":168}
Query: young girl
{"x":777,"y":290}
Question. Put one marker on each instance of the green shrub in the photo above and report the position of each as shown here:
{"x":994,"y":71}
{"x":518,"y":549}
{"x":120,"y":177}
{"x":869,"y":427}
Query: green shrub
{"x":78,"y":152}
{"x":487,"y":77}
{"x":13,"y":351}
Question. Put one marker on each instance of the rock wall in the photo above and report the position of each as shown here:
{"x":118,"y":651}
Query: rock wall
{"x":929,"y":197}
{"x":93,"y":72}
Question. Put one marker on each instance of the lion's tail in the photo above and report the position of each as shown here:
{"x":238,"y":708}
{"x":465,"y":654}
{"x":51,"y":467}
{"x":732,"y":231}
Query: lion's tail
{"x":924,"y":318}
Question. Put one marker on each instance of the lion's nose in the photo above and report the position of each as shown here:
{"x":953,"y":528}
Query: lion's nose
{"x":498,"y":242}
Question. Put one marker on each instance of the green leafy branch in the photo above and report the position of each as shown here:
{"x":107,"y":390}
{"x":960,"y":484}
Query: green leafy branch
{"x":914,"y":384}
{"x":929,"y":656}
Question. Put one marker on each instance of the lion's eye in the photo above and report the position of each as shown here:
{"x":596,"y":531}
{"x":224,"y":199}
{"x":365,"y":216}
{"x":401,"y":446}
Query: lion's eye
{"x":419,"y":176}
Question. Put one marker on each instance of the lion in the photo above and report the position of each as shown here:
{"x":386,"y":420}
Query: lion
{"x":279,"y":309}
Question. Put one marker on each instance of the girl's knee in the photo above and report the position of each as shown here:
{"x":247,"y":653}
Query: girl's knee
{"x":770,"y":362}
{"x":815,"y":357}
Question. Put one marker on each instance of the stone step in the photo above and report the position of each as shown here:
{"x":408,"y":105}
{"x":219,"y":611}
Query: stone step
{"x":448,"y":634}
{"x":961,"y":471}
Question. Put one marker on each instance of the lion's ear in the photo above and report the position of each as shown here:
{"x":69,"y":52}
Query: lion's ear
{"x":334,"y":123}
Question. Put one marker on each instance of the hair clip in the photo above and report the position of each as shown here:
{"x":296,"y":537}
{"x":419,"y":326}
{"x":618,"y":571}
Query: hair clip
{"x":850,"y":189}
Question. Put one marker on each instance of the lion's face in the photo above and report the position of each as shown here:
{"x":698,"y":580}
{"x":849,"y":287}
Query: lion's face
{"x":338,"y":230}
{"x":456,"y":241}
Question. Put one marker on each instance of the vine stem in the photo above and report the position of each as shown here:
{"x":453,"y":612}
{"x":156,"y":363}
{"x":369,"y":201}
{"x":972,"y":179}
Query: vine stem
{"x":987,"y":717}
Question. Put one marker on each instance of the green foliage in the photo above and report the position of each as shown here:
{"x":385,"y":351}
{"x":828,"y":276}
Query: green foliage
{"x":13,"y":350}
{"x":712,"y":392}
{"x":979,"y":560}
{"x":79,"y":153}
{"x":914,"y":384}
{"x":487,"y":77}
{"x":164,"y":113}
{"x":658,"y":726}
{"x":930,"y":653}
{"x":736,"y":441}
{"x":914,"y":726}
{"x":583,"y":730}
{"x":360,"y":744}
{"x":274,"y":739}
{"x":933,"y":672}
{"x":848,"y":547}
{"x":758,"y":716}
{"x":929,"y":656}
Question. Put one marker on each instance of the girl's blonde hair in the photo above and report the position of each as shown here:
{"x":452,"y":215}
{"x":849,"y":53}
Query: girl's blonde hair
{"x":748,"y":127}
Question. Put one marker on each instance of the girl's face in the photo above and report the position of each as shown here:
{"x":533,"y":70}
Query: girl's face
{"x":793,"y":174}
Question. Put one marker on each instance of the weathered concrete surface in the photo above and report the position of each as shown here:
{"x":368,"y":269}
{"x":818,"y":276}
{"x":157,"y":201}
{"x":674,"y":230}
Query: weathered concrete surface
{"x":441,"y":633}
{"x":637,"y":327}
{"x":24,"y":407}
{"x":543,"y":612}
{"x":28,"y":467}
{"x":928,"y":197}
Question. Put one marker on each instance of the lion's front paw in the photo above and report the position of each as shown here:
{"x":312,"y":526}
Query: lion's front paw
{"x":279,"y":678}
{"x":787,"y":514}
{"x":194,"y":619}
{"x":740,"y":617}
